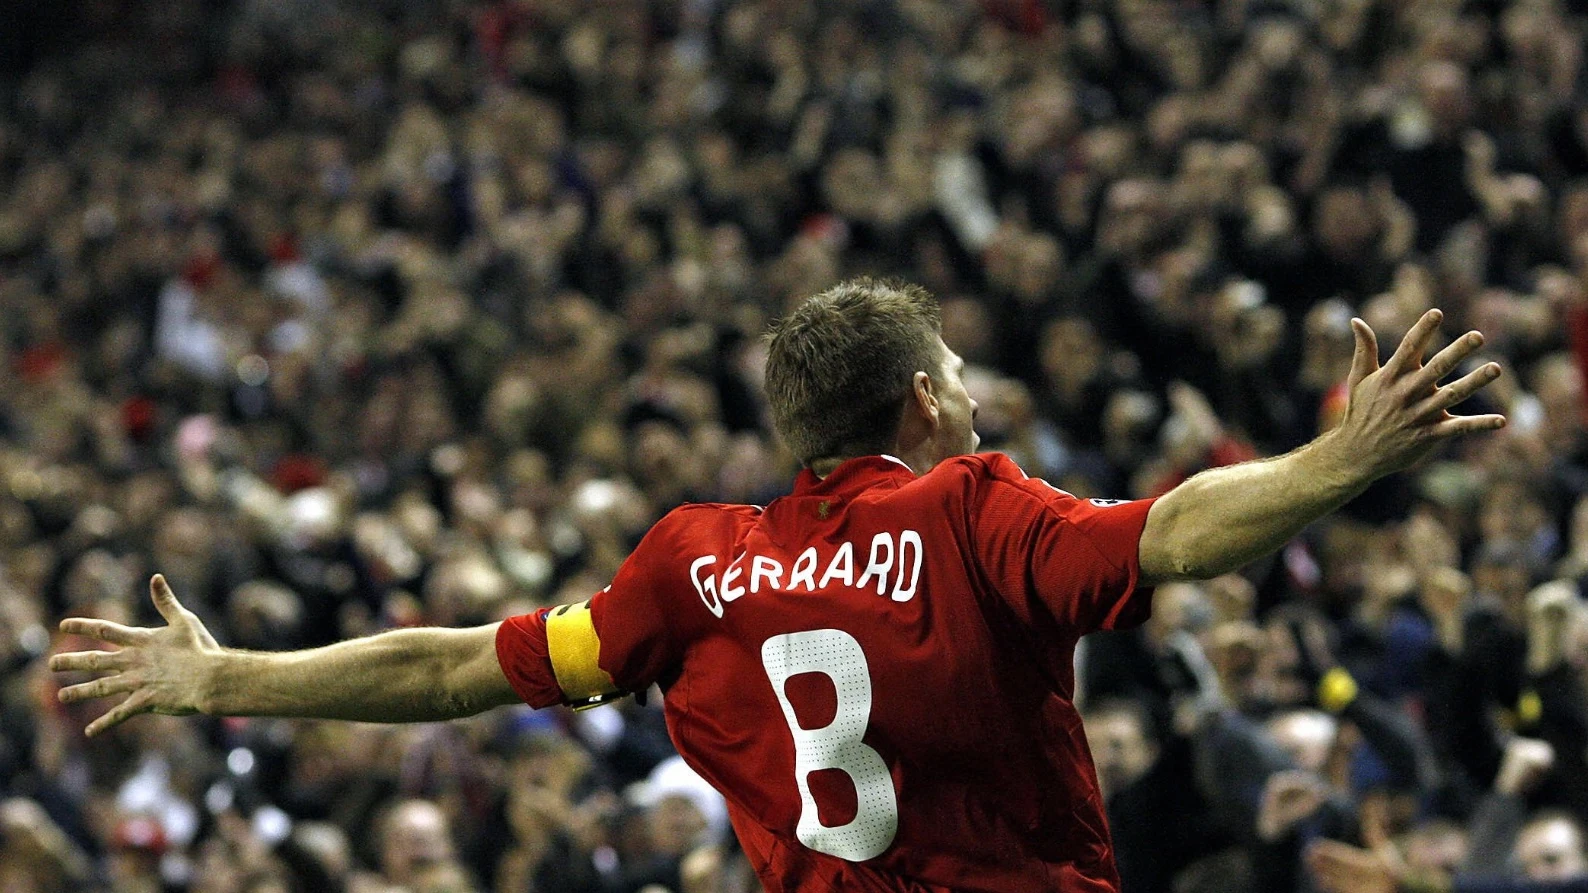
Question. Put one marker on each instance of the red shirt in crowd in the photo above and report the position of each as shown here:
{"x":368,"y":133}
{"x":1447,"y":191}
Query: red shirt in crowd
{"x":877,"y":671}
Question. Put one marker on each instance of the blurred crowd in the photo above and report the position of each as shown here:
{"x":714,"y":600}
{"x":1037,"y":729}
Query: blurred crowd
{"x":354,"y":314}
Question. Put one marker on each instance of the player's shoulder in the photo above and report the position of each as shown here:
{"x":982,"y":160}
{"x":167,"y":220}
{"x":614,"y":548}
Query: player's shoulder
{"x":986,"y":478}
{"x":963,"y":484}
{"x":695,"y":517}
{"x":695,"y":511}
{"x":978,"y":467}
{"x":693,"y":527}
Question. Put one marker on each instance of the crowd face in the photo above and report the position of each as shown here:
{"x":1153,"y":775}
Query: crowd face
{"x":1551,"y":849}
{"x":1121,"y":749}
{"x":417,"y":841}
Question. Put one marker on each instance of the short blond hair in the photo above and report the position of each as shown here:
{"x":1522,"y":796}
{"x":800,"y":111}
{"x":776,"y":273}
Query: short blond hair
{"x":840,"y":366}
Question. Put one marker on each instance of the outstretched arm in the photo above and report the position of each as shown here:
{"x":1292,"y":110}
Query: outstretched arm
{"x":405,"y":675}
{"x":1227,"y":517}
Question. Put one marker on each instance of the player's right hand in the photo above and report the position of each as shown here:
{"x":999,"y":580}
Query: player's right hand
{"x":160,"y":670}
{"x":1398,"y":413}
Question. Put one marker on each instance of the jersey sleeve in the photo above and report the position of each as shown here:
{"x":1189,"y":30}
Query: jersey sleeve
{"x":1053,"y":556}
{"x":635,"y":635}
{"x":526,"y":662}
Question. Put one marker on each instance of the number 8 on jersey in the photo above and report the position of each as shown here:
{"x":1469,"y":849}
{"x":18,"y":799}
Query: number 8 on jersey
{"x":837,"y":745}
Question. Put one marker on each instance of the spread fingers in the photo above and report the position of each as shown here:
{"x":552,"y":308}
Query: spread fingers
{"x":90,"y":661}
{"x":104,"y":630}
{"x":1462,"y":388}
{"x":98,"y":688}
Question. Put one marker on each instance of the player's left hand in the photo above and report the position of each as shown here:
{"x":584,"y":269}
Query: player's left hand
{"x":1398,"y":412}
{"x":160,"y":670}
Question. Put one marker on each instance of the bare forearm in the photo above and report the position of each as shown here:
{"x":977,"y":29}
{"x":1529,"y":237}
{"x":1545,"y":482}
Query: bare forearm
{"x":410,"y":675}
{"x":1227,"y":517}
{"x":407,"y":675}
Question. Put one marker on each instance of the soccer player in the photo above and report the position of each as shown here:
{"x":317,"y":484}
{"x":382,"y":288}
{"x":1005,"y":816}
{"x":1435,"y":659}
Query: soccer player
{"x":876,"y":671}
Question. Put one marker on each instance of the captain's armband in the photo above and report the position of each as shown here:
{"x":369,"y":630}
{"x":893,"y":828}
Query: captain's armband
{"x":574,"y":648}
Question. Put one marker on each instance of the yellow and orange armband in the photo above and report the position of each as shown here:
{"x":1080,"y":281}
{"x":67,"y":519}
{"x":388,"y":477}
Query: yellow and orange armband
{"x":575,"y":649}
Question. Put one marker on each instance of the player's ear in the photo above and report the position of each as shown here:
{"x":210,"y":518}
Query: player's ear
{"x":923,"y":398}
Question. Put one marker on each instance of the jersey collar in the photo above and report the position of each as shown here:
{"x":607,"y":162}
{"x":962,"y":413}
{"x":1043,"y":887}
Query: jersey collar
{"x":854,"y":475}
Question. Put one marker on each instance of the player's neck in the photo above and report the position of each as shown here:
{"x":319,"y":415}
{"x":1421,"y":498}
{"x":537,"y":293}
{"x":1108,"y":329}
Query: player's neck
{"x":824,"y":467}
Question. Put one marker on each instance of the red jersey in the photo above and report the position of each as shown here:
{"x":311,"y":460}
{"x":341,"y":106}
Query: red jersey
{"x":877,"y":671}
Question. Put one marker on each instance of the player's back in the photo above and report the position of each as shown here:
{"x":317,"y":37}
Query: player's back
{"x":859,"y":684}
